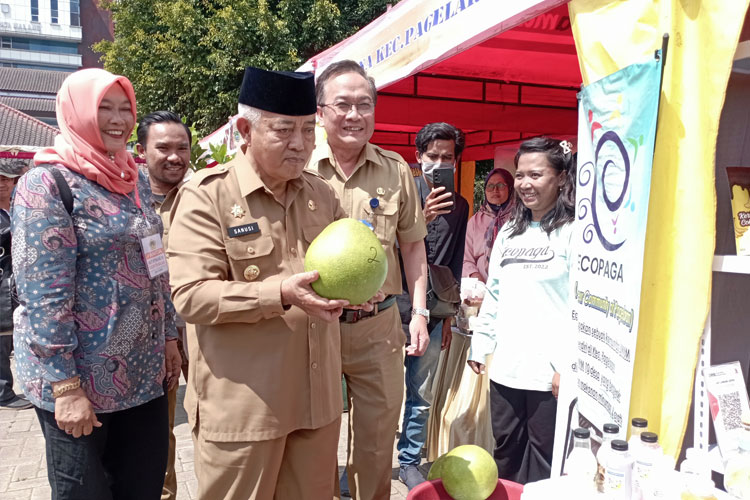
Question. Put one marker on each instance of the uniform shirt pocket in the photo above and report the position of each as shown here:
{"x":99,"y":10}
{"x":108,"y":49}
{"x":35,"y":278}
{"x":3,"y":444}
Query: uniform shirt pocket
{"x":251,"y":259}
{"x":385,"y":219}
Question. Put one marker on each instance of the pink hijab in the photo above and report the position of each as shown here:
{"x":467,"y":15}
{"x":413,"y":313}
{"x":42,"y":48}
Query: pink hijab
{"x":79,"y":145}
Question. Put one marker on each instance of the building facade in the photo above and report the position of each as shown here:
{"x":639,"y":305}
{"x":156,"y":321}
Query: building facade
{"x":41,"y":34}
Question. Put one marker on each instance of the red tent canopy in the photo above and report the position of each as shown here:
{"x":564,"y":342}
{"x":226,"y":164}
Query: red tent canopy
{"x":515,"y":80}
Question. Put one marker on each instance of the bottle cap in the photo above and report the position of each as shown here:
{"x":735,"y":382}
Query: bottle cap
{"x":619,"y":445}
{"x":374,"y":203}
{"x":581,"y":433}
{"x":639,"y":422}
{"x":649,"y":437}
{"x":611,"y":429}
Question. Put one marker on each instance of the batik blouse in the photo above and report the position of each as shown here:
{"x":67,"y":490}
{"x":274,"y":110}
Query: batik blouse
{"x":87,"y":304}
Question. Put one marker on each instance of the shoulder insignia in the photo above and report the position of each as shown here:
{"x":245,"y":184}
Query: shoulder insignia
{"x":390,"y":154}
{"x":314,"y":173}
{"x":206,"y":173}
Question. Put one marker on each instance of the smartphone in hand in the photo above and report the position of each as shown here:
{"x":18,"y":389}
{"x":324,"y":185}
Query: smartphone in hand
{"x":443,"y":176}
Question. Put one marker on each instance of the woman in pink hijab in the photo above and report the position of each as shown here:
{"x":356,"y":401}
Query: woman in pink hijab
{"x":95,"y":327}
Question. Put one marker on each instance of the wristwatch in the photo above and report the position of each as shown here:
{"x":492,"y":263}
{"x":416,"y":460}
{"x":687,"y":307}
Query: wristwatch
{"x":422,"y":312}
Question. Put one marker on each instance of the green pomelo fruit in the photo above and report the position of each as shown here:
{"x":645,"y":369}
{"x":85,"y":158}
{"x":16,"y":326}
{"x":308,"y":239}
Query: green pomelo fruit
{"x":436,"y":469}
{"x":468,"y":473}
{"x":350,"y":259}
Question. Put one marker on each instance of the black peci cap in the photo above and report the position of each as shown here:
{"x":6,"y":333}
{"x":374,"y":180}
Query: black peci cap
{"x":282,"y":92}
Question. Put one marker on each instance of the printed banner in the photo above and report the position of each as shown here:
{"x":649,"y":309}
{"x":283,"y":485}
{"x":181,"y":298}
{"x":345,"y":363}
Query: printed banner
{"x":617,"y":126}
{"x":415,"y":34}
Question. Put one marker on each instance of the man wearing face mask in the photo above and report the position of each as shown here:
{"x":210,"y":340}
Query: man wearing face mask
{"x":439,"y":145}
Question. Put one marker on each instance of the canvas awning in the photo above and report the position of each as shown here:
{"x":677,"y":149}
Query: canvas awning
{"x":500,"y":71}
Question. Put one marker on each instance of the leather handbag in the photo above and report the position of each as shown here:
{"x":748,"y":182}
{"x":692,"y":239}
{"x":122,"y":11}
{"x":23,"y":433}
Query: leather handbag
{"x":443,"y":292}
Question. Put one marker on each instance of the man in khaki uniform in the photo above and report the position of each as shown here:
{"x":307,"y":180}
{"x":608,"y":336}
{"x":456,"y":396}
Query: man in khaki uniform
{"x":375,"y":185}
{"x":264,"y":387}
{"x":164,"y":143}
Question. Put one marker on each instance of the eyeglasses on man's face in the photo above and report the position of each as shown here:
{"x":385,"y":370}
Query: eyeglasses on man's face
{"x":499,"y":186}
{"x":343,"y":107}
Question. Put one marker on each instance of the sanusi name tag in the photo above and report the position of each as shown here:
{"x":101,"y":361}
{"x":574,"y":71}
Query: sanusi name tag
{"x":236,"y":231}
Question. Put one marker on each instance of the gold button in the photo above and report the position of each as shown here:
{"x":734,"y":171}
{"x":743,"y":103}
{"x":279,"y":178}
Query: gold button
{"x":313,"y":326}
{"x":314,"y":366}
{"x":312,"y":205}
{"x":251,"y":272}
{"x":293,"y":251}
{"x":380,"y":191}
{"x":251,"y":250}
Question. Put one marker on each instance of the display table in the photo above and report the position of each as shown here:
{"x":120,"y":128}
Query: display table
{"x":566,"y":487}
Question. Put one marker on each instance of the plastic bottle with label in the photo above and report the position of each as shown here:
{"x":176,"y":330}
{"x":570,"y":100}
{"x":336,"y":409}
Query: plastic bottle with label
{"x":618,"y":472}
{"x":581,"y":462}
{"x":737,"y":471}
{"x":695,"y":463}
{"x":637,"y":427}
{"x":647,"y":460}
{"x":611,"y":432}
{"x":697,"y":487}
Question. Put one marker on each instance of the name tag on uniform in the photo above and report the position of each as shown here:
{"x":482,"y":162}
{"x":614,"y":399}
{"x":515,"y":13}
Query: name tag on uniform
{"x":153,"y":254}
{"x":236,"y":231}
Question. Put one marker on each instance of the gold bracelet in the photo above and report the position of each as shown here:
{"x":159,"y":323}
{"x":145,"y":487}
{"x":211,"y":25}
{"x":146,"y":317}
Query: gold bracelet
{"x":69,"y":386}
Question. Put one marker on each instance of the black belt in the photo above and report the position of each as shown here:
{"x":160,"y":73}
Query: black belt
{"x":354,"y":315}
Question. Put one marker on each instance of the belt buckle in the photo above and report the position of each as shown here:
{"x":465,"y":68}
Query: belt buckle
{"x":351,"y":316}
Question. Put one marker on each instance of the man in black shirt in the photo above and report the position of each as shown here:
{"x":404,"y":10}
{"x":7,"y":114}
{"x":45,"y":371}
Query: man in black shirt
{"x":439,"y":145}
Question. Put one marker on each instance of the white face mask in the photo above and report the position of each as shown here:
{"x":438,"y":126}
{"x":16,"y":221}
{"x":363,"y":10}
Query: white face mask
{"x":428,"y":168}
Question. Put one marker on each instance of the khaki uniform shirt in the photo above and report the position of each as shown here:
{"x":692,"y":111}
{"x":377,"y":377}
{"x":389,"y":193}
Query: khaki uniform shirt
{"x":163,"y":208}
{"x":258,"y":371}
{"x":385,"y":176}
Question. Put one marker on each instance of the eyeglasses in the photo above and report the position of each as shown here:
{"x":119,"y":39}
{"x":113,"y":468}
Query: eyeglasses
{"x":342,"y":107}
{"x":498,"y":186}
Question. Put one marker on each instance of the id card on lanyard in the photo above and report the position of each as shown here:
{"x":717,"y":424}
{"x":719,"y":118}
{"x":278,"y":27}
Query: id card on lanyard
{"x":152,"y":246}
{"x":153,"y":254}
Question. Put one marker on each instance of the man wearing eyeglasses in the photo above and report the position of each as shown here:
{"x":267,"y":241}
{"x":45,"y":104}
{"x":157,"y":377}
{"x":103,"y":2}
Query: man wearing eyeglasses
{"x":439,"y":146}
{"x":376,"y":186}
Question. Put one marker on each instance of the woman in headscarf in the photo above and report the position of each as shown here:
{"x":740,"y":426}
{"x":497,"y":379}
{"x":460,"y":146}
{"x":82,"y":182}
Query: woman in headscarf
{"x":94,"y":331}
{"x":486,"y":223}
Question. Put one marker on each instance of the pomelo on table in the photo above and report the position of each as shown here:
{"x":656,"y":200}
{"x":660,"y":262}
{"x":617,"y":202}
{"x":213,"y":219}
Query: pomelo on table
{"x":468,"y":472}
{"x":350,"y":259}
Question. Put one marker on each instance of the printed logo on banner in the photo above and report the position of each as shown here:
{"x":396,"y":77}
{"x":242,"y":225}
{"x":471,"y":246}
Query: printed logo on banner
{"x":617,"y":127}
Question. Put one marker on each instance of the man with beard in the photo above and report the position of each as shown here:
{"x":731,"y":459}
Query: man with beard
{"x":439,"y":145}
{"x":164,"y":142}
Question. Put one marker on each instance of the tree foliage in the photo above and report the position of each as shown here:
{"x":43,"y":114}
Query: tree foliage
{"x":189,"y":55}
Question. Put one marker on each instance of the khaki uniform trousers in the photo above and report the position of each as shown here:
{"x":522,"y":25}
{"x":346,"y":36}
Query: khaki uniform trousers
{"x":372,"y":359}
{"x":169,"y":490}
{"x":293,"y":467}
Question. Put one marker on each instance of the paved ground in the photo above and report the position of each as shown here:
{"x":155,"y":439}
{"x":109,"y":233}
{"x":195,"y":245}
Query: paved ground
{"x":23,"y":469}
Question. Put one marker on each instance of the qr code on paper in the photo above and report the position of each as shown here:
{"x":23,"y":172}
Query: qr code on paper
{"x":731,"y":410}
